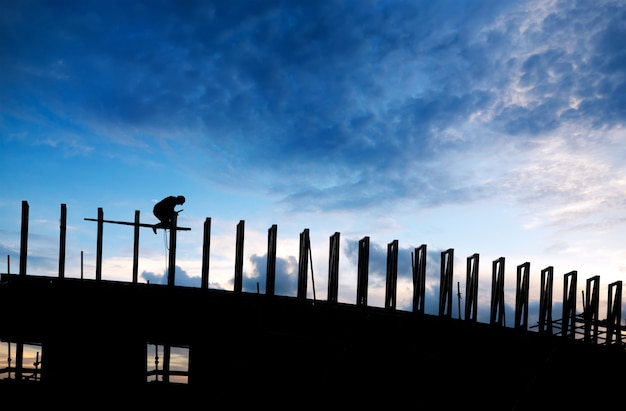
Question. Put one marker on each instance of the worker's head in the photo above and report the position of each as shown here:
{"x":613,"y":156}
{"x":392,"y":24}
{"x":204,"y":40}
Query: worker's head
{"x":180,"y":200}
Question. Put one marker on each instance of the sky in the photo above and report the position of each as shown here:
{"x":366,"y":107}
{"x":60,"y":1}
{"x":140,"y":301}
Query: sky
{"x":489,"y":127}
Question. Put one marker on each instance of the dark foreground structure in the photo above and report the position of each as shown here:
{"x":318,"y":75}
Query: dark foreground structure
{"x":107,"y":343}
{"x":97,"y":339}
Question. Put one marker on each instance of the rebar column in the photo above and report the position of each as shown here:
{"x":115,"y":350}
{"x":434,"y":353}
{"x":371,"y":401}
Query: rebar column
{"x":136,"y":248}
{"x":333,"y":268}
{"x":171,"y":271}
{"x":497,"y":293}
{"x":569,"y":305}
{"x":303,"y":264}
{"x":99,"y":244}
{"x":614,"y":314}
{"x":62,"y":236}
{"x":545,"y":300}
{"x":270,"y":269}
{"x":392,"y":275}
{"x":445,"y":283}
{"x":238,"y":286}
{"x":471,"y":288}
{"x":206,"y":253}
{"x":419,"y":278}
{"x":24,"y":239}
{"x":521,"y":296}
{"x":362,"y":271}
{"x":591,"y":309}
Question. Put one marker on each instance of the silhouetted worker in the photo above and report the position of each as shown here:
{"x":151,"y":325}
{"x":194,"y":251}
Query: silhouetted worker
{"x":164,"y":211}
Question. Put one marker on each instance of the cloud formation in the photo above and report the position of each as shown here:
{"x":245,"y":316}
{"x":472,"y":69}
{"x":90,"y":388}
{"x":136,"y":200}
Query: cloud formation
{"x":493,"y":124}
{"x":354,"y":103}
{"x":286,"y":280}
{"x":181,"y":278}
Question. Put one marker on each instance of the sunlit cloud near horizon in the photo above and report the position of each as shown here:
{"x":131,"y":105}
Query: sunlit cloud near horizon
{"x":490,"y":127}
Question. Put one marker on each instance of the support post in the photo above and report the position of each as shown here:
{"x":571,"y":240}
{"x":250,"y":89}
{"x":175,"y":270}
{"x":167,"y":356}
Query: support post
{"x":270,"y":272}
{"x":167,"y":350}
{"x":419,"y":278}
{"x":24,"y":239}
{"x":206,"y":252}
{"x":19,"y":360}
{"x":238,"y":286}
{"x":99,"y":245}
{"x":521,"y":296}
{"x":497,"y":293}
{"x":545,"y":300}
{"x":333,"y":268}
{"x":614,"y":314}
{"x":471,"y":288}
{"x":445,"y":283}
{"x":171,"y":270}
{"x":392,"y":275}
{"x":591,"y":309}
{"x":136,"y":249}
{"x":362,"y":271}
{"x":62,"y":236}
{"x":569,"y":305}
{"x":303,"y":264}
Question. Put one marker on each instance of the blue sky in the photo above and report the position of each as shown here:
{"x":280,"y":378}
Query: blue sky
{"x":490,"y":127}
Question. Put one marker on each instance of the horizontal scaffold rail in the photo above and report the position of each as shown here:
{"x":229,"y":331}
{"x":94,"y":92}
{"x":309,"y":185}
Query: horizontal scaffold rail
{"x":136,"y":224}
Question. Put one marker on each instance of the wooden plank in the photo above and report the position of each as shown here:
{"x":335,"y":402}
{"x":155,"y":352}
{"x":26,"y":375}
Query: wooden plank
{"x":136,"y":224}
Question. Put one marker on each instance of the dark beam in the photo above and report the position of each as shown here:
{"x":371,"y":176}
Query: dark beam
{"x":333,"y":268}
{"x":545,"y":300}
{"x":238,"y":286}
{"x":303,"y":264}
{"x":521,"y":296}
{"x":270,"y":270}
{"x":392,"y":275}
{"x":24,"y":238}
{"x":206,"y":253}
{"x":591,"y":309}
{"x":136,"y":249}
{"x":497,"y":293}
{"x":445,"y":283}
{"x":363,"y":271}
{"x":62,"y":236}
{"x":135,"y":224}
{"x":569,"y":305}
{"x":471,"y":288}
{"x":614,"y":314}
{"x":419,"y":278}
{"x":171,"y":271}
{"x":100,"y":221}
